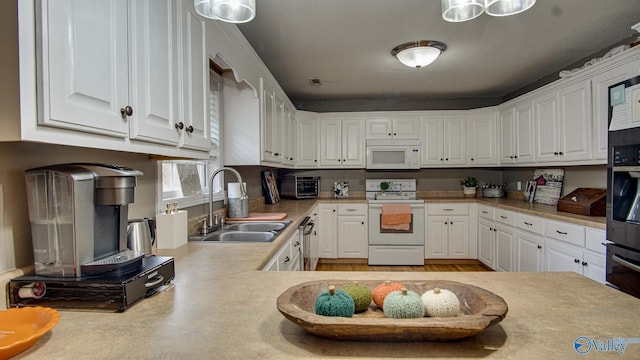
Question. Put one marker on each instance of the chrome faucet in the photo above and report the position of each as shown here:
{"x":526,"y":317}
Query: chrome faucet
{"x":243,"y":196}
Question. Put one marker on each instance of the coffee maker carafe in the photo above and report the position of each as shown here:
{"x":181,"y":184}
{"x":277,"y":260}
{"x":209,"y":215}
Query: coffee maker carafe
{"x":79,"y":216}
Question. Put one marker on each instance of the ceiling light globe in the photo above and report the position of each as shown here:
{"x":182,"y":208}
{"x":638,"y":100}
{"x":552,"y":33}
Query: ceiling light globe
{"x":461,"y":10}
{"x":418,"y":54}
{"x":231,"y":11}
{"x":507,"y":7}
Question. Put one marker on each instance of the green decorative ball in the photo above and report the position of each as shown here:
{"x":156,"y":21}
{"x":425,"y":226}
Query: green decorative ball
{"x":403,"y":304}
{"x":335,"y":302}
{"x":360,"y":294}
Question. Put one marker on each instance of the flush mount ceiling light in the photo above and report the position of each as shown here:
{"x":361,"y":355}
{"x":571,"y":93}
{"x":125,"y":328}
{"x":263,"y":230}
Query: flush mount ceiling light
{"x":232,"y":11}
{"x":463,"y":10}
{"x":418,"y":54}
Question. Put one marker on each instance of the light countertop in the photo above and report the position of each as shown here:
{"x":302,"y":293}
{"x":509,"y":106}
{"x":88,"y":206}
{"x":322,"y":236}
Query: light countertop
{"x":220,"y":306}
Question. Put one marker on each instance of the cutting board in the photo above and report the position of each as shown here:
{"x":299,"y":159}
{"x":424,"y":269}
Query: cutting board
{"x":260,"y":217}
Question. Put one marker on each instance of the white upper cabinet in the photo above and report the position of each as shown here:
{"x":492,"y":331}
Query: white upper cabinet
{"x":563,"y":123}
{"x":85,"y":77}
{"x":289,"y":136}
{"x":307,"y":134}
{"x":443,"y":140}
{"x":271,"y":120}
{"x":194,"y":132}
{"x":482,"y":134}
{"x":393,"y":127}
{"x":341,"y":142}
{"x":517,"y":135}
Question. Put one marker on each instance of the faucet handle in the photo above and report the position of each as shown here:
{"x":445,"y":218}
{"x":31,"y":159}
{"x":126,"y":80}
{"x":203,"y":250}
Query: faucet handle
{"x":216,"y":220}
{"x":204,"y":228}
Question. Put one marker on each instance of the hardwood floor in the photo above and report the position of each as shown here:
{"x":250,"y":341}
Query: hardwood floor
{"x":465,"y":266}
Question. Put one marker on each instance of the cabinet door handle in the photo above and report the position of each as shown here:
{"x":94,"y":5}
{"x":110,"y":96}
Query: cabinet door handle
{"x":511,"y":157}
{"x":539,"y":246}
{"x":529,"y":224}
{"x":189,"y":129}
{"x":561,"y":233}
{"x":446,"y":223}
{"x":126,"y":111}
{"x":389,"y":134}
{"x":515,"y":156}
{"x":490,"y":229}
{"x":276,"y":154}
{"x":344,"y":160}
{"x":179,"y":126}
{"x":485,"y":212}
{"x":495,"y":230}
{"x":394,"y":134}
{"x":584,"y":263}
{"x":503,"y":217}
{"x":286,"y":260}
{"x":363,"y":223}
{"x":560,"y":153}
{"x":351,"y":209}
{"x":576,"y":261}
{"x":296,"y":244}
{"x":555,"y":153}
{"x":471,"y":159}
{"x":447,"y":209}
{"x":446,"y":159}
{"x":334,"y":210}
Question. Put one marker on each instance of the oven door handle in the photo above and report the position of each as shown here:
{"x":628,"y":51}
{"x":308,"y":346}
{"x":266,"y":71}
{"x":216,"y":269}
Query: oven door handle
{"x":413,"y":206}
{"x":308,"y":228}
{"x":625,"y":263}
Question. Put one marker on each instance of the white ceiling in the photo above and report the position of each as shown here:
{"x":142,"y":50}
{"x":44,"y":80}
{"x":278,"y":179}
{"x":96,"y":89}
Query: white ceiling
{"x":347,"y":44}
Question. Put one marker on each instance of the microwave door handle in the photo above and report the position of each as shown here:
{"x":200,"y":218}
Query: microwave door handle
{"x":625,"y":263}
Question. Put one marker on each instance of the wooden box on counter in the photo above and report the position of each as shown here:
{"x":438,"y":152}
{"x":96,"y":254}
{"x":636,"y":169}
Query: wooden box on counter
{"x":584,"y":201}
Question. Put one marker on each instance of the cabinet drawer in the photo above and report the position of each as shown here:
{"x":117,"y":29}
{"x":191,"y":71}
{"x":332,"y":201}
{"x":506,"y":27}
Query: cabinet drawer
{"x":486,"y":212}
{"x":569,"y":233}
{"x":530,"y":223}
{"x":352,"y":209}
{"x":448,"y":209}
{"x":505,"y":217}
{"x":595,"y":239}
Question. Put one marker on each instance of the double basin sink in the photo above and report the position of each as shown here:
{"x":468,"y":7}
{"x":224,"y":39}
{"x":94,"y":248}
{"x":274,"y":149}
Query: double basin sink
{"x":253,"y":231}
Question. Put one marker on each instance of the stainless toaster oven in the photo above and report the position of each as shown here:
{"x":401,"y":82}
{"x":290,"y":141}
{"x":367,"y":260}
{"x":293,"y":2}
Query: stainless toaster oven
{"x":300,"y":187}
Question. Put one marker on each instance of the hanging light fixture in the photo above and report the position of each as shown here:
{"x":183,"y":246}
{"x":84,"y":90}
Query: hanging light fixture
{"x":463,"y":10}
{"x":418,"y":54}
{"x":232,"y":11}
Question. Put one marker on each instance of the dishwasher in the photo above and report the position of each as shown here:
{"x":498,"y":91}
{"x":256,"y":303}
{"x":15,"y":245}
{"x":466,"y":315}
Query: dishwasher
{"x":310,"y":244}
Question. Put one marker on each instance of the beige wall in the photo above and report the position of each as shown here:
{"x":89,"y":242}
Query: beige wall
{"x":15,"y":157}
{"x":593,"y":176}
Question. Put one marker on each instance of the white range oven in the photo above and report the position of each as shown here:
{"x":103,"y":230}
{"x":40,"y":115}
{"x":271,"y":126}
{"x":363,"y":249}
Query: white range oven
{"x":395,"y":244}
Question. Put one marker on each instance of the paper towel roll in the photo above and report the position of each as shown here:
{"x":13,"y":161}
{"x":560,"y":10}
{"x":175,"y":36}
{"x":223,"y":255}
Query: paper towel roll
{"x":234,"y":191}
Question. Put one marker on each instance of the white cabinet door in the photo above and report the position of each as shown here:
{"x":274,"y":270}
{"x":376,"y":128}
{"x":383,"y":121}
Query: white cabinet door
{"x":307,"y":154}
{"x":600,"y":108}
{"x":353,"y":145}
{"x":437,"y":242}
{"x":505,"y":248}
{"x":432,"y":141}
{"x":575,"y":121}
{"x":525,"y":132}
{"x":352,"y":237}
{"x":195,"y":81}
{"x":289,"y":137}
{"x":85,"y":77}
{"x":529,"y":252}
{"x":407,"y":128}
{"x":508,"y":138}
{"x":458,"y":237}
{"x":330,"y":142}
{"x":594,"y":266}
{"x":155,"y":81}
{"x":547,"y":137}
{"x":379,"y":128}
{"x":486,"y":242}
{"x":562,"y":257}
{"x":455,"y":140}
{"x":270,"y":118}
{"x":481,"y":138}
{"x":328,"y":241}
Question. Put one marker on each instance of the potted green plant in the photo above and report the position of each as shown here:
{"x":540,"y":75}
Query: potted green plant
{"x":469,"y":186}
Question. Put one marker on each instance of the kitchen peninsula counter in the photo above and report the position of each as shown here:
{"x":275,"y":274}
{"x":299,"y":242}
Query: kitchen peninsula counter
{"x":215,"y":309}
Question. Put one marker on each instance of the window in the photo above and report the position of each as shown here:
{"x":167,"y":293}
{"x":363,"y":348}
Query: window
{"x":186,"y":181}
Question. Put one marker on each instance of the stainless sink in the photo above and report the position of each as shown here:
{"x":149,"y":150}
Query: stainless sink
{"x":256,"y":226}
{"x":254,"y":231}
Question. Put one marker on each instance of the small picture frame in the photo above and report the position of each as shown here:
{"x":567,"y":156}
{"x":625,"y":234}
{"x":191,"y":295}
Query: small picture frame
{"x":341,"y":189}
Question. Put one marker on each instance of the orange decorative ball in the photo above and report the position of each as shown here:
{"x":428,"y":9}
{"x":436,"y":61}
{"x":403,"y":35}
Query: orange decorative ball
{"x":381,"y":291}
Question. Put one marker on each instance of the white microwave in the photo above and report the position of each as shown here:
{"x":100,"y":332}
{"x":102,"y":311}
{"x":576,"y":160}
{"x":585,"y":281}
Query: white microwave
{"x":393,"y":154}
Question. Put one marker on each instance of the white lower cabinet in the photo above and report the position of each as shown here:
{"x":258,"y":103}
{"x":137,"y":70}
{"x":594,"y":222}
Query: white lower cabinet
{"x":352,"y":231}
{"x":559,"y":256}
{"x":486,"y":242}
{"x":343,"y":230}
{"x":447,"y":231}
{"x":529,"y":251}
{"x":288,"y":257}
{"x":505,"y":248}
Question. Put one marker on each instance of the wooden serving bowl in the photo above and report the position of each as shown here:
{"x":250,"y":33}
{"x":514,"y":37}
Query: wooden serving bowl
{"x":479,"y":310}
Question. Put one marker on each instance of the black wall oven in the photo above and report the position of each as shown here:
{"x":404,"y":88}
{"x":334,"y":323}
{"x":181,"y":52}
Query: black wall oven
{"x":623,"y":189}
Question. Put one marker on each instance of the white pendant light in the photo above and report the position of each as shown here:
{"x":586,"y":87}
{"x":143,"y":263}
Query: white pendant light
{"x":461,"y":10}
{"x":232,"y":11}
{"x":507,"y":7}
{"x":418,"y":54}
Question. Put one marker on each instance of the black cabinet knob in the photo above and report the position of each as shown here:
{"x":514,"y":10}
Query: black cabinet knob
{"x":126,"y":111}
{"x":179,"y":126}
{"x":189,"y":129}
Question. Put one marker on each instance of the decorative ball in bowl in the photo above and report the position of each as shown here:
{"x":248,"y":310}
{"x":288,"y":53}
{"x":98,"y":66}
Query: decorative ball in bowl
{"x":479,"y":310}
